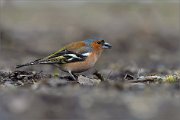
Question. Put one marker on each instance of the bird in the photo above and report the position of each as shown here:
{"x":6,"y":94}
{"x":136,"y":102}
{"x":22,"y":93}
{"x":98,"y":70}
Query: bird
{"x":75,"y":57}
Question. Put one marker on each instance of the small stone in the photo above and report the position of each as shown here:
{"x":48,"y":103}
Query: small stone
{"x":88,"y":81}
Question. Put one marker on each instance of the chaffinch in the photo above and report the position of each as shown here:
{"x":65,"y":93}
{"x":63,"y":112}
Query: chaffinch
{"x":76,"y":57}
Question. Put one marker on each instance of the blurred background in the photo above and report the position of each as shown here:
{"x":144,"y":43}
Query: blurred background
{"x":144,"y":33}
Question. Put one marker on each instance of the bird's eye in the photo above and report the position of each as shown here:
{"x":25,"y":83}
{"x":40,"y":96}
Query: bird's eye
{"x":101,"y":42}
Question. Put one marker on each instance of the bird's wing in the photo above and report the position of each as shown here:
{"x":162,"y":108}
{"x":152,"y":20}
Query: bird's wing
{"x":67,"y":56}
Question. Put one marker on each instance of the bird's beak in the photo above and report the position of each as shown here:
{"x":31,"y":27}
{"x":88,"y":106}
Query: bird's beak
{"x":106,"y":46}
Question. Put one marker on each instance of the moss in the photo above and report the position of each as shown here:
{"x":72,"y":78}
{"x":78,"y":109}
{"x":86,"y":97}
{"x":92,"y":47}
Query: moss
{"x":171,"y":78}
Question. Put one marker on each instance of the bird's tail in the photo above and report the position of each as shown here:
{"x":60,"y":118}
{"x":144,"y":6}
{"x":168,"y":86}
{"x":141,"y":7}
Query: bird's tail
{"x":28,"y":64}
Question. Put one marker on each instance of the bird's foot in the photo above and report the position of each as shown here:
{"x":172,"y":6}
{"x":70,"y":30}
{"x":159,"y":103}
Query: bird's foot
{"x":70,"y":78}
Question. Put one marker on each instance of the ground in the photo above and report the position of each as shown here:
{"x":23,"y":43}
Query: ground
{"x":36,"y":95}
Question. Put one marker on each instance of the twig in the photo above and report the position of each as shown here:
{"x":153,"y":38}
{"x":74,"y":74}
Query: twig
{"x":146,"y":79}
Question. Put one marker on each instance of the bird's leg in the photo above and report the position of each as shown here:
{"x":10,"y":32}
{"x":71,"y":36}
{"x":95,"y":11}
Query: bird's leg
{"x":73,"y":75}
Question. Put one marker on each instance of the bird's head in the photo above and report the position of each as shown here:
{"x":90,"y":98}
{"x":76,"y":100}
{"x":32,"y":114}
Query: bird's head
{"x":98,"y":44}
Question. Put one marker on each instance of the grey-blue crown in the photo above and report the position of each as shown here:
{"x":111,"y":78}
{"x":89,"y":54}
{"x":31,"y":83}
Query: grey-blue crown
{"x":89,"y":41}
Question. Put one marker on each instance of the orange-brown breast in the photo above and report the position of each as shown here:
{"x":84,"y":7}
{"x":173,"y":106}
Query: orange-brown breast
{"x":82,"y":66}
